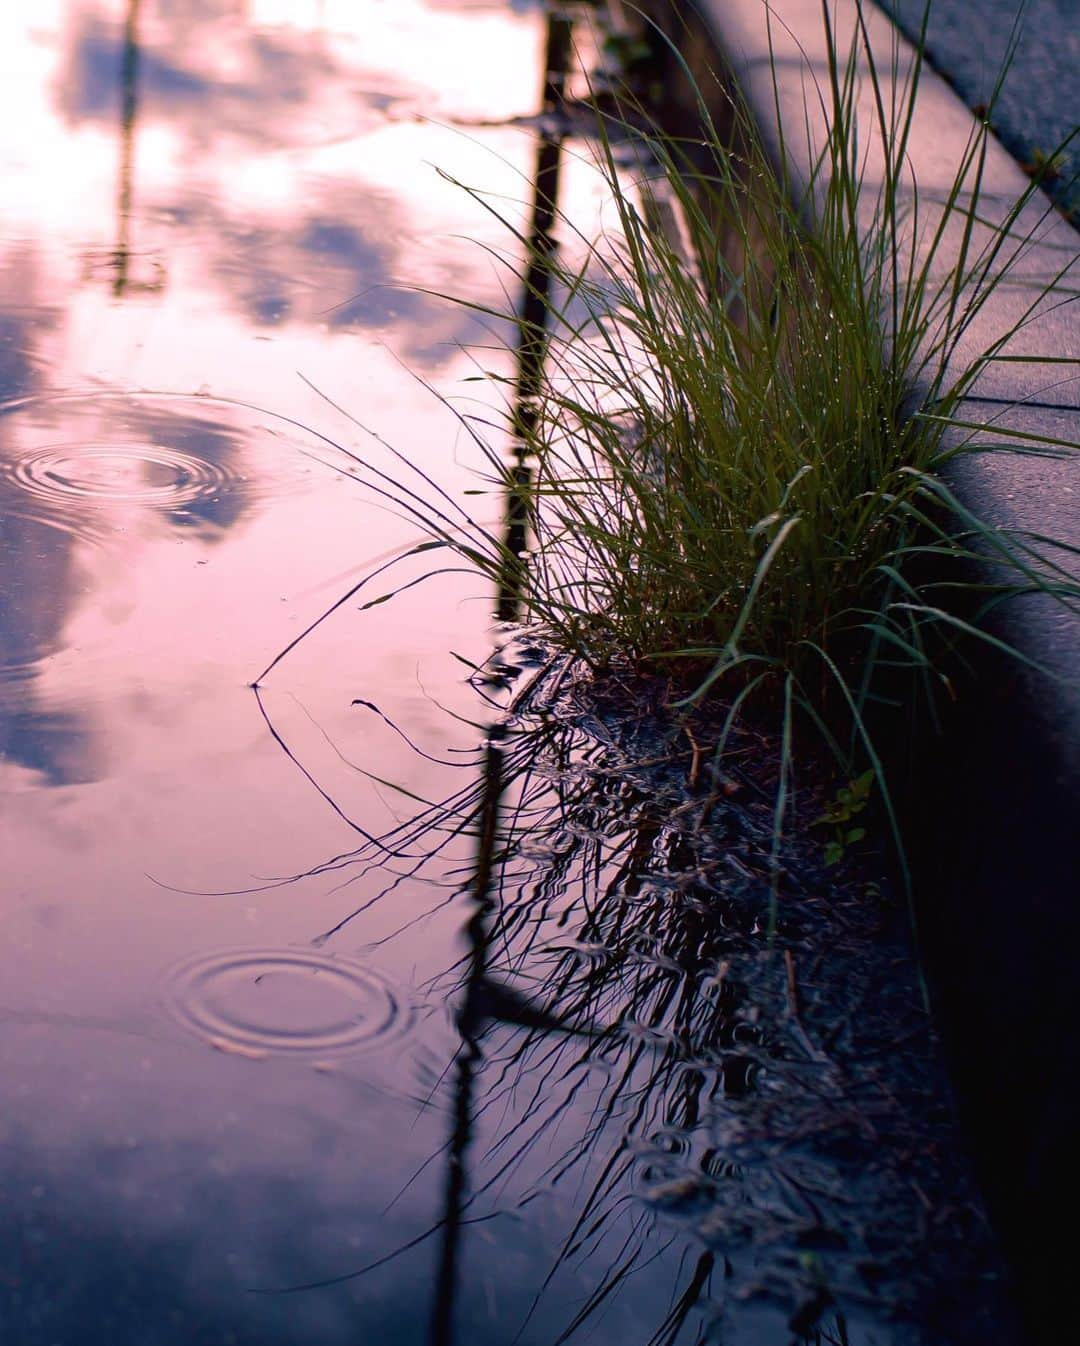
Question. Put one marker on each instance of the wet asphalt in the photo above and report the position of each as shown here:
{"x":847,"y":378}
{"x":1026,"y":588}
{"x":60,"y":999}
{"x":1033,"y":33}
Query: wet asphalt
{"x":1038,"y":107}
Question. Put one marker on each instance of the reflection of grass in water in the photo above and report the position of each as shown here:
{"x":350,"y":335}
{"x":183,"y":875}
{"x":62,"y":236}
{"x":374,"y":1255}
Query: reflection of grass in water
{"x":638,"y":1052}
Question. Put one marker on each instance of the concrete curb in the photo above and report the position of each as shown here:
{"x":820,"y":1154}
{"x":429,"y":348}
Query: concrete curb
{"x":996,"y":825}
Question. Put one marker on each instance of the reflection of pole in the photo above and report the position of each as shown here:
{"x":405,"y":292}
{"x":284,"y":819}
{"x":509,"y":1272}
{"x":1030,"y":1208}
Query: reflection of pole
{"x":533,"y":319}
{"x":471,"y":1017}
{"x":129,"y":83}
{"x":476,"y":1007}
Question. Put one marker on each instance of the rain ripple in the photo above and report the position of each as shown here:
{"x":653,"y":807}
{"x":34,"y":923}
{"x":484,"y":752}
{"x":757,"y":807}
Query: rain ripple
{"x":291,"y":1002}
{"x":152,"y":475}
{"x":83,"y":463}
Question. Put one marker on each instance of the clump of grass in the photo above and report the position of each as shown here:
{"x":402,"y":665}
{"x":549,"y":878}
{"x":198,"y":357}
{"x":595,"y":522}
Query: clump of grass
{"x":738,"y":447}
{"x":727,"y":469}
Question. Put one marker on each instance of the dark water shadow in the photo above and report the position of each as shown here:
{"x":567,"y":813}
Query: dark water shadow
{"x":737,"y":1130}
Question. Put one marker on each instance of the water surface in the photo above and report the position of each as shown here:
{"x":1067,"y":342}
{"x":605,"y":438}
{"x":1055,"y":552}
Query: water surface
{"x":207,"y":1095}
{"x":358,"y":1009}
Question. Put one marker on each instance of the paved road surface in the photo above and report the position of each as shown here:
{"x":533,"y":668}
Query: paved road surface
{"x":1040,"y":102}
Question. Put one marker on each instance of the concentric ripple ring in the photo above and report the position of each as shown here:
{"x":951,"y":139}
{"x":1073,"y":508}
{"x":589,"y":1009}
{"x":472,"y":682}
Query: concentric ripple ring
{"x":143,"y":474}
{"x":258,"y":1002}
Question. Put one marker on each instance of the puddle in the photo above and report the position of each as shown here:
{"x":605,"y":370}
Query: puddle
{"x":351,"y":1010}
